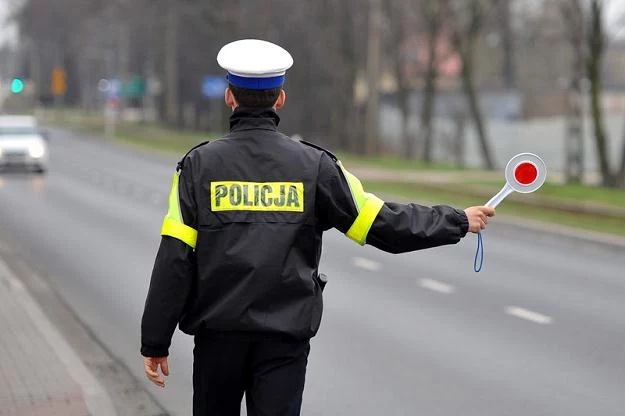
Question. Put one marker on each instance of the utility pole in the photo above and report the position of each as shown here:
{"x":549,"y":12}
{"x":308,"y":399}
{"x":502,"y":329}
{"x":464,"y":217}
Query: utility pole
{"x":577,"y":95}
{"x":578,"y":104}
{"x":575,"y":140}
{"x":171,"y":62}
{"x":373,"y":76}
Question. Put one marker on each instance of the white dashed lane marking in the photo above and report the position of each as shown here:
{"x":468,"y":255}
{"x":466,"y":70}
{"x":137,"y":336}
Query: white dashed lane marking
{"x":366,"y":264}
{"x":436,"y":286}
{"x":529,"y":315}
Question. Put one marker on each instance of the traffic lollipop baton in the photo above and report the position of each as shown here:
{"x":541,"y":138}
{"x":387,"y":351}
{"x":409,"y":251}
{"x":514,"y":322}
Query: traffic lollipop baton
{"x":525,"y":173}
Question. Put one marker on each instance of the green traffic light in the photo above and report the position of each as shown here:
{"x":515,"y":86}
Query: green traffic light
{"x":17,"y":86}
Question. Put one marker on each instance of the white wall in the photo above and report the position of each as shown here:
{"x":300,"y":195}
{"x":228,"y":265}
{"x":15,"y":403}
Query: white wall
{"x":544,"y":137}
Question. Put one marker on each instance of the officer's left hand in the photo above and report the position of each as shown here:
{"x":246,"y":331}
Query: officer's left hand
{"x":151,"y":365}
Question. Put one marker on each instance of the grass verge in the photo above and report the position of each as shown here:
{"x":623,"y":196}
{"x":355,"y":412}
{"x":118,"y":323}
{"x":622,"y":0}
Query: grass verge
{"x":571,"y":193}
{"x":418,"y":193}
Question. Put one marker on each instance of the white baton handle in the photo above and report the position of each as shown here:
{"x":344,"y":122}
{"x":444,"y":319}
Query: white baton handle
{"x":501,"y":195}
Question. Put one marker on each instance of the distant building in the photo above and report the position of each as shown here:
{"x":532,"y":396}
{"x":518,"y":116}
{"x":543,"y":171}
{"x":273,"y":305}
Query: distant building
{"x":417,"y":57}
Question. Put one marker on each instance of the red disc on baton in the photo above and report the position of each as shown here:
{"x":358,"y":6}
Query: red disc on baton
{"x":525,"y":173}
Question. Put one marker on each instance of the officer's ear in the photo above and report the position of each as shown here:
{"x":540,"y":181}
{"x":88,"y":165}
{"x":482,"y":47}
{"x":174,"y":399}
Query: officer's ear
{"x":280,"y":101}
{"x":230,"y":100}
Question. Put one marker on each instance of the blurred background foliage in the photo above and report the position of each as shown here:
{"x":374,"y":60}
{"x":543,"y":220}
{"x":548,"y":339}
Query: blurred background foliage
{"x":439,"y":81}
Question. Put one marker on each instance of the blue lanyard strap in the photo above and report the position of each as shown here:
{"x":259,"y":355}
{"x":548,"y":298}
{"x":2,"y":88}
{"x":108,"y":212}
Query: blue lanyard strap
{"x":479,"y":252}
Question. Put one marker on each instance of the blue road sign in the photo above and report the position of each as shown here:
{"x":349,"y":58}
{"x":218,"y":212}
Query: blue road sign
{"x":214,"y":86}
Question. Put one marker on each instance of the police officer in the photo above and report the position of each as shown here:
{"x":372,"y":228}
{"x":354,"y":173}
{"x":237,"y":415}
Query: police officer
{"x":237,"y":267}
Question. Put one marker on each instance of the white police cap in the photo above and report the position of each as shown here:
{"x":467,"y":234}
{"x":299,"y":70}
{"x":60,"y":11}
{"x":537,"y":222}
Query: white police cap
{"x":254,"y":64}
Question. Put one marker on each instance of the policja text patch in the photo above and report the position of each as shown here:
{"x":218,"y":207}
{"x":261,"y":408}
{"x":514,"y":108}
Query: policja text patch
{"x":257,"y":196}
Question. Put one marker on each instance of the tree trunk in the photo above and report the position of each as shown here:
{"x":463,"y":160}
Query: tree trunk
{"x":595,"y":56}
{"x":427,"y":112}
{"x":404,"y":108}
{"x":397,"y":12}
{"x":373,"y":76}
{"x":433,"y":11}
{"x":429,"y":97}
{"x":620,"y":176}
{"x":352,"y":125}
{"x":459,"y":122}
{"x":464,"y":39}
{"x":476,"y":112}
{"x":507,"y":43}
{"x":599,"y":130}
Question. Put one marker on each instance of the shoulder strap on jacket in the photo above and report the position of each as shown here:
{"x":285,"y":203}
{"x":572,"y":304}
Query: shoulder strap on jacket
{"x":181,"y":162}
{"x":316,"y":146}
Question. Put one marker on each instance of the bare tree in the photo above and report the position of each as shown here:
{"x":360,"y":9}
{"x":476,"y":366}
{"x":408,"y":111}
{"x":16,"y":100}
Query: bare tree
{"x":467,"y":18}
{"x":401,"y":18}
{"x":504,"y":20}
{"x":349,"y":57}
{"x":433,"y":12}
{"x":596,"y":41}
{"x":373,"y":76}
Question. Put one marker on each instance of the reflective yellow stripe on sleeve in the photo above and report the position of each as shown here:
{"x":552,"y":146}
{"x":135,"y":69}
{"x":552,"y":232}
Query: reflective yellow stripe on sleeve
{"x":362,"y":224}
{"x":180,"y":231}
{"x":368,"y":206}
{"x":173,"y":224}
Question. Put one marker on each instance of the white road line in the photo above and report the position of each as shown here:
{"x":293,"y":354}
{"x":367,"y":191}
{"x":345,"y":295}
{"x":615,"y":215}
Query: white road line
{"x":437,"y":286}
{"x":529,"y":315}
{"x":366,"y":264}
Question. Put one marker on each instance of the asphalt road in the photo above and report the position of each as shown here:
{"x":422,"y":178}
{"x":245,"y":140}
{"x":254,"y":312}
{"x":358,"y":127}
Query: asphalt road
{"x":538,"y":332}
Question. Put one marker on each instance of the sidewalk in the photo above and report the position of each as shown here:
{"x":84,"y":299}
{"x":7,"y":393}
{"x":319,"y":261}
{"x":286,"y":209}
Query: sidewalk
{"x":40,"y":374}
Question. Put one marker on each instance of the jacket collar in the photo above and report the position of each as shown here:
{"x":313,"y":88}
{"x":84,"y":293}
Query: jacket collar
{"x":246,"y":118}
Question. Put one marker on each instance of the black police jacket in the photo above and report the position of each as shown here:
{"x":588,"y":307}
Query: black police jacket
{"x":241,"y":241}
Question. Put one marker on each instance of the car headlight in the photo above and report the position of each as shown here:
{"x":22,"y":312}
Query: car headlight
{"x":36,"y":150}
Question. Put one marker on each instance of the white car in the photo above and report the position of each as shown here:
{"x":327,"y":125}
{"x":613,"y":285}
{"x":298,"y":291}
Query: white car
{"x":22,"y":143}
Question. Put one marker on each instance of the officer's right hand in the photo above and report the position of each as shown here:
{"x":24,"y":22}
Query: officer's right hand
{"x":478,"y":217}
{"x":151,"y":365}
